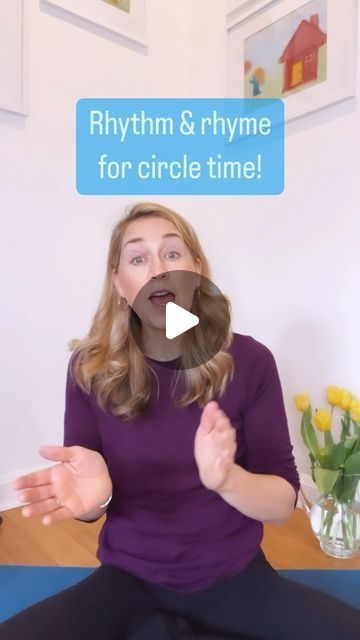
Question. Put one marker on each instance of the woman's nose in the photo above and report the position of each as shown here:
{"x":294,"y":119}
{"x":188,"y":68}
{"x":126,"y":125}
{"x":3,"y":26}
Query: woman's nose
{"x":157,"y":269}
{"x":158,"y":276}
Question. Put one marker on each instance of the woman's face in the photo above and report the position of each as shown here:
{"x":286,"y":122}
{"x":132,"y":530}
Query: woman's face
{"x":151,"y":248}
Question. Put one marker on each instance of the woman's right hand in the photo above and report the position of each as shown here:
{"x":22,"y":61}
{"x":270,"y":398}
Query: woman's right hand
{"x":80,"y":483}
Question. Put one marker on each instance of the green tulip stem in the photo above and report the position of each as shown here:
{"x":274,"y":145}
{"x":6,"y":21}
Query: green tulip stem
{"x":328,"y":522}
{"x":344,"y":526}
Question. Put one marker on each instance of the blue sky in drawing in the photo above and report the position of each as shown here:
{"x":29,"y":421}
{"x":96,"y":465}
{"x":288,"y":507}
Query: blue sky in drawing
{"x":266,"y":46}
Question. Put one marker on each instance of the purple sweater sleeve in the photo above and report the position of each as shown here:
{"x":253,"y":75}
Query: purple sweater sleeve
{"x":268,"y":445}
{"x":80,"y":423}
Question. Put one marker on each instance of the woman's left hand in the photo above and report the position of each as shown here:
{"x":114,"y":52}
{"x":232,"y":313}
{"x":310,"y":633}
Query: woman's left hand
{"x":214,"y":446}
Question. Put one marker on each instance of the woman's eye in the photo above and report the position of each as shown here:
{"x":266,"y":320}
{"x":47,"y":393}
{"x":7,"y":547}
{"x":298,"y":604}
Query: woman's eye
{"x":172,"y":255}
{"x":137,"y":260}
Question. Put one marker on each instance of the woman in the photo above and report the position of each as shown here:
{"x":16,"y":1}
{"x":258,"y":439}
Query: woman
{"x":188,"y":462}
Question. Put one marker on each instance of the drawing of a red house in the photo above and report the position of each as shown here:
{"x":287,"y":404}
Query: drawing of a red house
{"x":301,"y":55}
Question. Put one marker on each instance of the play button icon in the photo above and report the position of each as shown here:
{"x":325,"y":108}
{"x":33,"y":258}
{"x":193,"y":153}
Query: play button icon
{"x":178,"y":320}
{"x":184,"y":307}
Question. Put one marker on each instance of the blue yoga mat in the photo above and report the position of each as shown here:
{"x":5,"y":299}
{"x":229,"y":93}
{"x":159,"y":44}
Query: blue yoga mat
{"x":24,"y":585}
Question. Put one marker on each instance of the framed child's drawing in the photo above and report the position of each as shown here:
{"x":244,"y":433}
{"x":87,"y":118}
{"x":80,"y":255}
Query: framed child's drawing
{"x":303,"y":52}
{"x":125,"y":18}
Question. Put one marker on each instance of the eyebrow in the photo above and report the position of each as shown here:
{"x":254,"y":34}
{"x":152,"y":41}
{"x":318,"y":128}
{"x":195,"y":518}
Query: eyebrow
{"x":166,"y":235}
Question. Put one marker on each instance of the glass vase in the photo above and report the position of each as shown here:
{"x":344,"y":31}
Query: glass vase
{"x":340,"y":518}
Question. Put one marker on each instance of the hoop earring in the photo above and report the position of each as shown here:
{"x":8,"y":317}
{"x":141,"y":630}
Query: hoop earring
{"x":124,"y":305}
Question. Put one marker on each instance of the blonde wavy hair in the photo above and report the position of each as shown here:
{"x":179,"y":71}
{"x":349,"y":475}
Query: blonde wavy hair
{"x":108,"y":359}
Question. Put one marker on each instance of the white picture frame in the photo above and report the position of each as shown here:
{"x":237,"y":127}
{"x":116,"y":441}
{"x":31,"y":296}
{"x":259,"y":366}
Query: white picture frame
{"x":14,"y":52}
{"x":235,"y":7}
{"x":131,"y":27}
{"x":341,"y":81}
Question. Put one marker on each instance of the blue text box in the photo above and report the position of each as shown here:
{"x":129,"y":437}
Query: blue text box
{"x":197,"y":146}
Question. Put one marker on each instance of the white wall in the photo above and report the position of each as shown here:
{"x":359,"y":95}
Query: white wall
{"x":289,"y":263}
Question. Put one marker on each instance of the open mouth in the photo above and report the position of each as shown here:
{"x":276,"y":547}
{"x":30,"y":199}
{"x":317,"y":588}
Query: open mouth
{"x":162,"y":297}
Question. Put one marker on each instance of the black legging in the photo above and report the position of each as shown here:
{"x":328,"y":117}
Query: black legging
{"x":111,"y":604}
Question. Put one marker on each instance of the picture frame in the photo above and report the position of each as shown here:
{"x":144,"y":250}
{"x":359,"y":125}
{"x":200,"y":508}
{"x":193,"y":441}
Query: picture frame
{"x":235,"y":7}
{"x":340,"y":83}
{"x":14,"y":52}
{"x":129,"y":25}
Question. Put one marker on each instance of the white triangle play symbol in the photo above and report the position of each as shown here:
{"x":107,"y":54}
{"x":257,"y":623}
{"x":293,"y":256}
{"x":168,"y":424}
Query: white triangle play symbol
{"x":178,"y":320}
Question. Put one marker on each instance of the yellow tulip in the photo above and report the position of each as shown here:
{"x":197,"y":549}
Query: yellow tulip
{"x":322,"y":419}
{"x":355,"y":410}
{"x":346,"y":399}
{"x":333,"y":395}
{"x":302,"y":401}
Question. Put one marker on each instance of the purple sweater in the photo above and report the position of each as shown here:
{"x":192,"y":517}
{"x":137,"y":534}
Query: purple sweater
{"x":162,"y":524}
